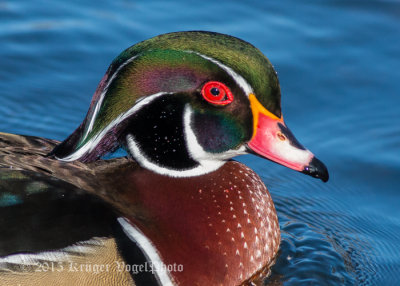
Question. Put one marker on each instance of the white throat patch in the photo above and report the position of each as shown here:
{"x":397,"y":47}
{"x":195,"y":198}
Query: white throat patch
{"x":208,"y":162}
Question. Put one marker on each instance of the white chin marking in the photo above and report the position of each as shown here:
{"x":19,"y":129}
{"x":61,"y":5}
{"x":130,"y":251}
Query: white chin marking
{"x":148,"y":249}
{"x":205,"y":167}
{"x":93,"y":142}
{"x":207,"y":162}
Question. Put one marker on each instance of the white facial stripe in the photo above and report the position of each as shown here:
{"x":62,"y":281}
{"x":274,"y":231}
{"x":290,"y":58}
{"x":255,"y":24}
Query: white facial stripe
{"x":93,"y":142}
{"x":208,"y":162}
{"x":148,"y":249}
{"x":100,"y":101}
{"x":238,"y":78}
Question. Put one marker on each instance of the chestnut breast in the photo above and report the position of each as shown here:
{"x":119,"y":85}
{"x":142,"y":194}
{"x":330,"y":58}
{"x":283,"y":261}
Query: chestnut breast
{"x":221,"y":227}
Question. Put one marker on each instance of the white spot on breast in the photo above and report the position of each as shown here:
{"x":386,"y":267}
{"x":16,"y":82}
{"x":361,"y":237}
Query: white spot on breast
{"x":258,"y":253}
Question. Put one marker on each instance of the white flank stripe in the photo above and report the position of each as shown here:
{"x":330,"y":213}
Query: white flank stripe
{"x":238,"y":78}
{"x":93,"y":142}
{"x":84,"y":247}
{"x":100,"y":101}
{"x":148,"y":248}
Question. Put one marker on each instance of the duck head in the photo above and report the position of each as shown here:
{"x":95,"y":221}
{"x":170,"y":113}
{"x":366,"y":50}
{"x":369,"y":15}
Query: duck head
{"x":184,"y":103}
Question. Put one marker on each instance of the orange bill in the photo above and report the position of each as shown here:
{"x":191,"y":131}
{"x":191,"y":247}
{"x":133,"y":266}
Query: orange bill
{"x":274,"y":141}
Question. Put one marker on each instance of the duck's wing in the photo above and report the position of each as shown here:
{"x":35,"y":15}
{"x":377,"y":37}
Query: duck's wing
{"x":55,"y":226}
{"x":53,"y":233}
{"x":39,"y":212}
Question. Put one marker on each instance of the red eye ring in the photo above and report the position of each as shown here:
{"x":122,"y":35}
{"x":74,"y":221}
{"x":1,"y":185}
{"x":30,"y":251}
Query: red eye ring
{"x":216,"y":92}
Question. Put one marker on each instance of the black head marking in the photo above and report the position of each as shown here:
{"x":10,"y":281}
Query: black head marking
{"x":158,"y":129}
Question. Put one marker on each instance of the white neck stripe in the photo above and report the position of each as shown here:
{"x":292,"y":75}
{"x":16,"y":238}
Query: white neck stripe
{"x":148,"y":249}
{"x":93,"y":142}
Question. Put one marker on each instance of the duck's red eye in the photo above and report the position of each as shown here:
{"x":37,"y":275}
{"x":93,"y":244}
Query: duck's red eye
{"x":217,"y":93}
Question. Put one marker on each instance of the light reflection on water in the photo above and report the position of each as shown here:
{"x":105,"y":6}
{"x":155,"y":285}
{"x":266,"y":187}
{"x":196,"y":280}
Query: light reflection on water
{"x":338,"y":66}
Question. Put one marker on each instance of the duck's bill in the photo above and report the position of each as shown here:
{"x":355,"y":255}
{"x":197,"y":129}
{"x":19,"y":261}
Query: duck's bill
{"x":274,"y":141}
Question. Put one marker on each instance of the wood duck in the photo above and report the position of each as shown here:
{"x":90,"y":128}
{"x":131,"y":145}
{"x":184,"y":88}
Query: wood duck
{"x":178,"y":210}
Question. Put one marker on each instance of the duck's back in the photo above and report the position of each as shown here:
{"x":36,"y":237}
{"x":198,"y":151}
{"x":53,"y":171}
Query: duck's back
{"x":52,"y":232}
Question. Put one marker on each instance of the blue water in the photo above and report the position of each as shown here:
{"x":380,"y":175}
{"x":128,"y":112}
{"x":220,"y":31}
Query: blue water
{"x":338,"y":63}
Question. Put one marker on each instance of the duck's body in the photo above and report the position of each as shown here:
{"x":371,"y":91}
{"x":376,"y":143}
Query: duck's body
{"x":179,"y":204}
{"x":226,"y":218}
